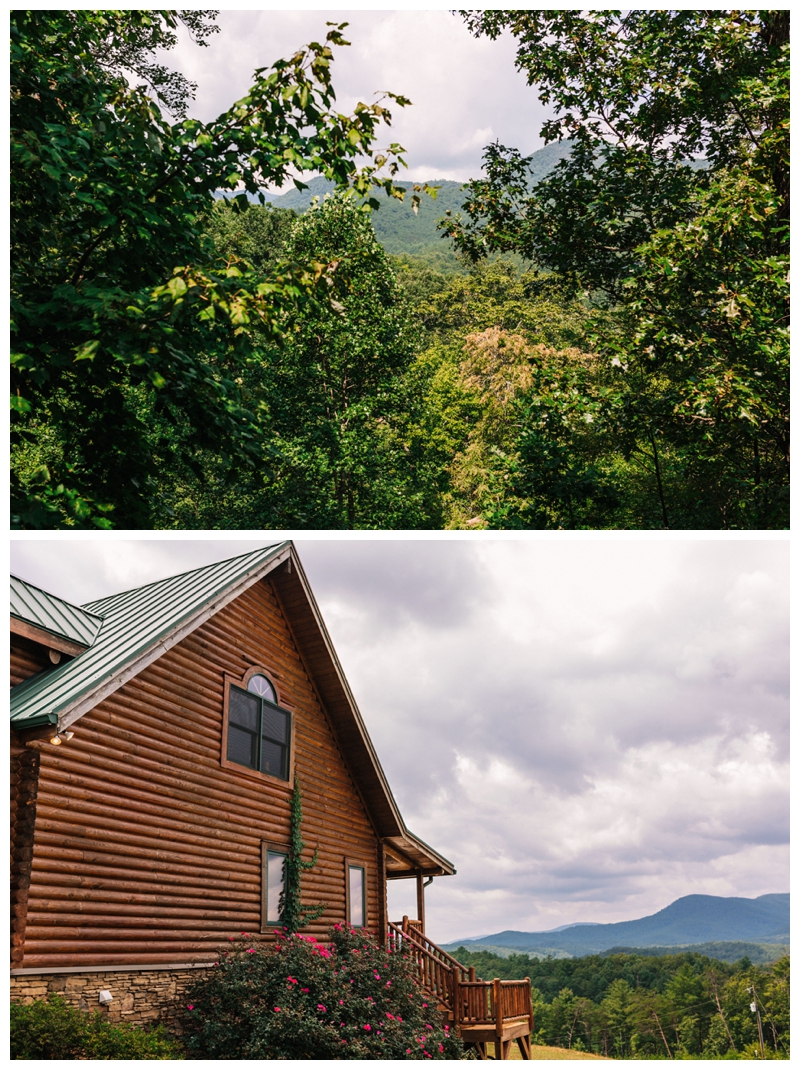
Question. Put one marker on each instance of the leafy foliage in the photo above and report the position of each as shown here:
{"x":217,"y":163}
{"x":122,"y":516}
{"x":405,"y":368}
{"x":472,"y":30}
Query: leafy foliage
{"x":293,"y":914}
{"x":691,"y":260}
{"x":334,"y":398}
{"x":53,"y":1029}
{"x":121,"y":312}
{"x":300,"y":999}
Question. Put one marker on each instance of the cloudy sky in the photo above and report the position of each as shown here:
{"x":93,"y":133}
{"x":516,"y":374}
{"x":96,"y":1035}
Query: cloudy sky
{"x":587,"y":728}
{"x":465,"y":92}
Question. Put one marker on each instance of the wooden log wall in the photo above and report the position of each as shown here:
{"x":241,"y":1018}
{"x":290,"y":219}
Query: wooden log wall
{"x":27,"y":658}
{"x":146,"y":849}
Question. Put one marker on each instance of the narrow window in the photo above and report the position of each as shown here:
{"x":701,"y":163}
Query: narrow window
{"x":274,"y":883}
{"x":356,"y":889}
{"x":258,"y":729}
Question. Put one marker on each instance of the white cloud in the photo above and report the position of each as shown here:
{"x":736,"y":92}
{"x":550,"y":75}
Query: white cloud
{"x":464,"y":91}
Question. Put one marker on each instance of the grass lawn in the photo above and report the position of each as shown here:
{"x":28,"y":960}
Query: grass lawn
{"x":540,"y":1051}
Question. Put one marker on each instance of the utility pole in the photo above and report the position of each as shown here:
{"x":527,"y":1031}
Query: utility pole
{"x":755,"y":1010}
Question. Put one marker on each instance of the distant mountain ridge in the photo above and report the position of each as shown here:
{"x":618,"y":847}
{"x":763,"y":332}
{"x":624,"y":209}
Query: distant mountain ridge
{"x":397,"y":227}
{"x":692,"y":919}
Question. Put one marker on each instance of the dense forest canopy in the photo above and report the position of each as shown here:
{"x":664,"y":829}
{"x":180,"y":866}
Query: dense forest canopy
{"x":610,"y":352}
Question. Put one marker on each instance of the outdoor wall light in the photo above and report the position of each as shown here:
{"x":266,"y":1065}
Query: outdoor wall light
{"x":56,"y":739}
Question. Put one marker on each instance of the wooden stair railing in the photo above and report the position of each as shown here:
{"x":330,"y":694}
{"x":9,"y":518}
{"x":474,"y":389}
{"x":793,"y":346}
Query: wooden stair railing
{"x":436,"y":970}
{"x":482,"y":1011}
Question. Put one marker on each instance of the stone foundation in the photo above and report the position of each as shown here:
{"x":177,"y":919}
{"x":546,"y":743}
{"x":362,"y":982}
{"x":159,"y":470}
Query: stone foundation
{"x":140,"y":996}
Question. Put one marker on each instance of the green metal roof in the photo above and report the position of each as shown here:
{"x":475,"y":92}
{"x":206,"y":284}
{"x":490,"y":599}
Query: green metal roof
{"x":136,"y":627}
{"x":35,"y":606}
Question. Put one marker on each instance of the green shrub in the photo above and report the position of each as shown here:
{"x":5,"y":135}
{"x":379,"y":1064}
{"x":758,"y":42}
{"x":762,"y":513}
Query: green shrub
{"x":53,"y":1029}
{"x":299,"y":999}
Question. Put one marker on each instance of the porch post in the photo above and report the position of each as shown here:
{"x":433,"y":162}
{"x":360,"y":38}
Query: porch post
{"x":383,"y":910}
{"x":421,"y":900}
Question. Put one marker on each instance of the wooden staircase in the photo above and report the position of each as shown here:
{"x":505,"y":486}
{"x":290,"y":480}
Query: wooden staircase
{"x":482,"y":1012}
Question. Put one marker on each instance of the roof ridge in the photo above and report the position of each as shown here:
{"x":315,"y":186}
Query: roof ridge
{"x":178,"y":575}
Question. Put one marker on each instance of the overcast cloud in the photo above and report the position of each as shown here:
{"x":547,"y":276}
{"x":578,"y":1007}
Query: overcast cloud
{"x":588,"y":730}
{"x":465,"y":92}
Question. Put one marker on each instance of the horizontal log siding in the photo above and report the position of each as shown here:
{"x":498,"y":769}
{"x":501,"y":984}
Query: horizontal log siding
{"x":27,"y":658}
{"x":146,"y":850}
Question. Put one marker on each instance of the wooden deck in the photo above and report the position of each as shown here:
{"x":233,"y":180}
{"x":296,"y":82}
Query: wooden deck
{"x":482,"y":1012}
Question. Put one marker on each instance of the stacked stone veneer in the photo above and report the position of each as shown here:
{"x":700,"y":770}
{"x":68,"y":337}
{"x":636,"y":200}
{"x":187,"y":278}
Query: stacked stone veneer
{"x":139,"y":996}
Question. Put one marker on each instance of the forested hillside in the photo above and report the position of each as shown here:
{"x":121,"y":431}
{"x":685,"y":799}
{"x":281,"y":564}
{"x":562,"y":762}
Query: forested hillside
{"x":404,"y":232}
{"x":637,"y":1007}
{"x":611,"y":353}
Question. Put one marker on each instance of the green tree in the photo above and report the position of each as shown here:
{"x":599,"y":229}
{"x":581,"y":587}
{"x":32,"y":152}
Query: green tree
{"x":617,"y":1008}
{"x":338,"y":391}
{"x":691,"y":258}
{"x":123,"y":316}
{"x":257,"y":234}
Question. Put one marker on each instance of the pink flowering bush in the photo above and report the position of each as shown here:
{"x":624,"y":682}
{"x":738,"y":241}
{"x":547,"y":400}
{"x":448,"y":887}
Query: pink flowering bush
{"x":301,"y":999}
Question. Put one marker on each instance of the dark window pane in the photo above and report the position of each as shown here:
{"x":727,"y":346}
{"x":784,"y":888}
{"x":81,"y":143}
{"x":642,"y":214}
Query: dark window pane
{"x":273,"y":759}
{"x":242,"y":746}
{"x":275,"y":724}
{"x":244,"y":709}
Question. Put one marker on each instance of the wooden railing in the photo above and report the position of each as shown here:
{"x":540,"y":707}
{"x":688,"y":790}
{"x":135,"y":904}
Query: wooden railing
{"x":437,"y":971}
{"x":469,"y":1000}
{"x":487,"y":1002}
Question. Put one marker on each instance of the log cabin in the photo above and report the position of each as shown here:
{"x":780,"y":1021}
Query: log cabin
{"x":156,"y":735}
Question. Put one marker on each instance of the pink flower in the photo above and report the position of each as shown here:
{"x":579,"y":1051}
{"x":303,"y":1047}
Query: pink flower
{"x":191,"y":1006}
{"x":251,"y":951}
{"x":368,"y":1028}
{"x":441,"y":1048}
{"x":276,"y":1008}
{"x":245,"y":934}
{"x":320,"y":1007}
{"x":304,"y":990}
{"x":341,"y":1002}
{"x":292,"y":980}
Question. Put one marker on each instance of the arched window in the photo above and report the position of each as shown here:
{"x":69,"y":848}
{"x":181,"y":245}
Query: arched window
{"x":259,"y":730}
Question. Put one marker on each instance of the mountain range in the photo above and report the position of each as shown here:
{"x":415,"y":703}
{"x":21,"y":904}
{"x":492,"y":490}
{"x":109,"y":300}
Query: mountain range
{"x":398,"y":228}
{"x":692,"y":919}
